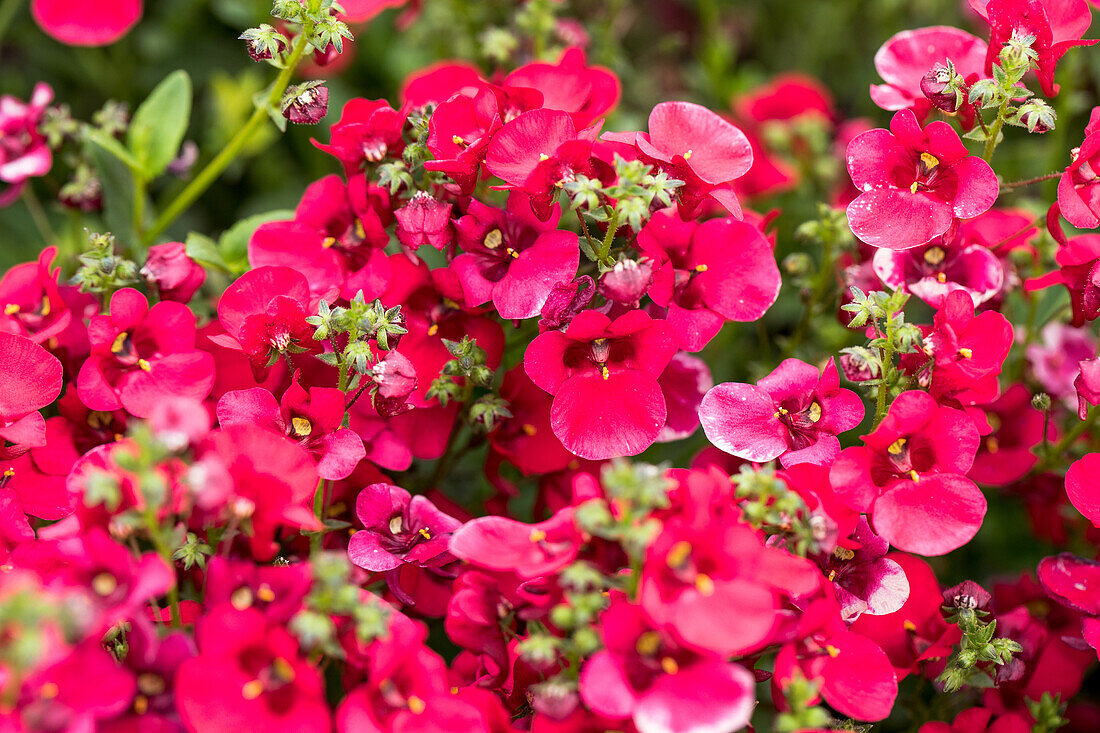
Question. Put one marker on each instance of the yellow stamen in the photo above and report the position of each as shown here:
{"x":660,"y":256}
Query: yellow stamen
{"x":913,"y":188}
{"x":104,"y":584}
{"x":301,"y":426}
{"x":241,"y":598}
{"x":416,"y":705}
{"x":843,"y":553}
{"x":252,"y":690}
{"x":493,"y":239}
{"x":688,"y":154}
{"x":44,"y":309}
{"x":328,"y":242}
{"x":9,"y":472}
{"x":929,"y":162}
{"x":941,"y":278}
{"x":265,"y":594}
{"x":896,"y":447}
{"x":537,"y":535}
{"x":914,"y":475}
{"x":282,"y":669}
{"x":704,"y":584}
{"x":512,"y":253}
{"x":992,"y":445}
{"x":150,"y":684}
{"x":814,"y":412}
{"x":395,"y":525}
{"x":668,"y":664}
{"x":648,"y":643}
{"x":604,"y":372}
{"x":701,"y":268}
{"x":543,"y":157}
{"x":141,"y":704}
{"x":144,"y":365}
{"x":11,"y":309}
{"x":433,"y":329}
{"x":119,"y":343}
{"x":49,"y":690}
{"x":966,"y":353}
{"x":909,"y":625}
{"x":457,"y":140}
{"x":832,"y":650}
{"x":832,"y":575}
{"x":934,"y":255}
{"x":678,"y":554}
{"x":530,"y":429}
{"x":425,"y":533}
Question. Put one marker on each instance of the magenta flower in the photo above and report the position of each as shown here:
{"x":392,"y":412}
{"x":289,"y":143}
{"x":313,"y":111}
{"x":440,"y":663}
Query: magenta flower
{"x":1078,"y":189}
{"x":80,"y":23}
{"x":527,"y":440}
{"x":424,"y":220}
{"x":248,"y":673}
{"x":1079,"y":271}
{"x":603,"y":375}
{"x":368,"y":131}
{"x":1056,"y":357}
{"x":864,"y":580}
{"x":855,"y":676}
{"x":585,"y":92}
{"x":684,"y":382}
{"x":706,"y":274}
{"x":537,"y":151}
{"x":175,"y":275}
{"x":909,"y":476}
{"x":312,"y":418}
{"x":399,"y":529}
{"x":277,"y":591}
{"x":907,"y":57}
{"x":336,"y":238}
{"x":793,"y":414}
{"x":1087,"y":385}
{"x":698,"y":147}
{"x":24,"y":152}
{"x":459,"y":132}
{"x":528,"y":550}
{"x":59,"y":695}
{"x":32,"y":302}
{"x":32,"y":380}
{"x":1074,"y":582}
{"x":142,"y":355}
{"x":915,"y":183}
{"x":264,"y":315}
{"x":511,"y":258}
{"x":1004,"y":455}
{"x":968,"y":350}
{"x":932,"y":271}
{"x":1056,"y":25}
{"x":1083,"y":486}
{"x":643,"y":675}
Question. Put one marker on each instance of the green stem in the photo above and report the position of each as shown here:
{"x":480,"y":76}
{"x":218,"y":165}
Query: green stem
{"x":8,"y":9}
{"x":612,"y":227}
{"x":1029,"y":181}
{"x":1054,"y":455}
{"x":232,"y":149}
{"x":139,"y":204}
{"x":316,"y":540}
{"x":995,"y":132}
{"x":38,"y":214}
{"x":887,"y":371}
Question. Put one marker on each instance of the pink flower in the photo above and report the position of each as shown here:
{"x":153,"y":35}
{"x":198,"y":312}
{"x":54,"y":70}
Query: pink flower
{"x":915,"y":183}
{"x":1005,"y":454}
{"x":336,"y":238}
{"x":1083,"y":486}
{"x":175,"y":275}
{"x":706,"y":274}
{"x":312,"y":418}
{"x":424,"y":220}
{"x":968,"y":350}
{"x":1078,"y":189}
{"x":276,"y":591}
{"x":248,"y":673}
{"x":399,"y":529}
{"x":31,"y":300}
{"x":459,"y":132}
{"x":864,"y":580}
{"x":1056,"y":357}
{"x":512,"y":258}
{"x":80,"y":23}
{"x":906,"y":57}
{"x":23,"y":150}
{"x":684,"y":382}
{"x":537,"y":151}
{"x":1056,"y":25}
{"x":909,"y":476}
{"x":1074,"y":582}
{"x":1079,"y":271}
{"x":368,"y":131}
{"x":1087,"y":385}
{"x":59,"y":696}
{"x":585,"y":92}
{"x":272,"y":481}
{"x":793,"y":414}
{"x":32,"y":380}
{"x":264,"y":315}
{"x":694,"y":145}
{"x":643,"y":675}
{"x":603,"y":375}
{"x":528,"y":550}
{"x":855,"y":676}
{"x":141,"y":355}
{"x":932,"y":271}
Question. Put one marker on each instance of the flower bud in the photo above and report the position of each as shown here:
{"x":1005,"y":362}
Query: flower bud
{"x":627,"y":282}
{"x":396,"y":379}
{"x":175,"y":275}
{"x":306,"y":104}
{"x":944,"y":88}
{"x":566,"y":300}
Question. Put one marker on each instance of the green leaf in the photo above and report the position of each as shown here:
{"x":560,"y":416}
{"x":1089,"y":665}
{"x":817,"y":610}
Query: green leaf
{"x":204,"y":250}
{"x":114,"y":147}
{"x":159,"y":124}
{"x":234,"y":241}
{"x":118,"y":192}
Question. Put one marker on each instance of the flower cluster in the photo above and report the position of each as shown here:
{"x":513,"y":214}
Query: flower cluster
{"x":363,"y":465}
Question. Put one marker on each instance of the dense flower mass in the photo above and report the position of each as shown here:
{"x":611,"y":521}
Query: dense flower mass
{"x":525,"y":420}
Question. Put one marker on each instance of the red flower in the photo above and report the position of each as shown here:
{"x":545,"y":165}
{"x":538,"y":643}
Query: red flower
{"x":864,"y":580}
{"x":141,"y":355}
{"x":1078,"y":189}
{"x":24,"y":152}
{"x":1005,"y":454}
{"x":459,"y":132}
{"x":528,"y":550}
{"x":512,"y":258}
{"x":915,"y":183}
{"x":1079,"y":270}
{"x":248,"y":674}
{"x":32,"y":302}
{"x":336,"y":238}
{"x":906,"y":58}
{"x":793,"y":414}
{"x":603,"y":375}
{"x":1083,"y":486}
{"x":83,"y":23}
{"x":585,"y":92}
{"x":312,"y":418}
{"x":32,"y":380}
{"x":968,"y":350}
{"x":369,"y":130}
{"x":1056,"y":25}
{"x":945,"y":265}
{"x":909,"y":476}
{"x":696,"y":146}
{"x":643,"y":675}
{"x":175,"y":275}
{"x":537,"y":151}
{"x":706,"y":274}
{"x":424,"y":220}
{"x":264,"y":315}
{"x":1074,"y":582}
{"x":399,"y":529}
